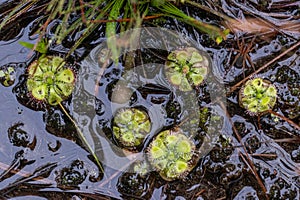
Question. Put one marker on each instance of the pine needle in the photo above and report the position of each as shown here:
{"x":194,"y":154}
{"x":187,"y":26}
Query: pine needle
{"x":82,"y":137}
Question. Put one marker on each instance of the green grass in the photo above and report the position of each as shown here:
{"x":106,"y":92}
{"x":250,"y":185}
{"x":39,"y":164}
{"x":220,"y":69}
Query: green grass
{"x":119,"y":15}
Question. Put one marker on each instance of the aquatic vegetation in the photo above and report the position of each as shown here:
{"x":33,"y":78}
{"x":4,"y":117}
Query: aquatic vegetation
{"x":171,"y":10}
{"x":92,"y":13}
{"x":18,"y":136}
{"x":49,"y":80}
{"x":130,"y":126}
{"x":186,"y":67}
{"x":141,"y":167}
{"x":172,"y":154}
{"x":71,"y":176}
{"x":133,"y":185}
{"x":257,"y":96}
{"x":7,"y":76}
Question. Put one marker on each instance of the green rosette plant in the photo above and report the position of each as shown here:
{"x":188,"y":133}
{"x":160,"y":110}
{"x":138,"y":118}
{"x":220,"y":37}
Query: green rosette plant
{"x":50,"y":80}
{"x":187,"y":67}
{"x":172,"y":154}
{"x":130,"y":127}
{"x":257,"y":96}
{"x":7,"y":76}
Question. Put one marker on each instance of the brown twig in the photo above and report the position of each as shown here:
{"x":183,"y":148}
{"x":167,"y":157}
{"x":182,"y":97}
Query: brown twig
{"x":82,"y":12}
{"x":233,"y":88}
{"x":117,"y":172}
{"x":245,"y":156}
{"x":289,"y":140}
{"x":26,"y":174}
{"x":84,"y":20}
{"x":200,"y":193}
{"x":284,"y":118}
{"x":249,"y":163}
{"x":265,"y":155}
{"x":207,"y":9}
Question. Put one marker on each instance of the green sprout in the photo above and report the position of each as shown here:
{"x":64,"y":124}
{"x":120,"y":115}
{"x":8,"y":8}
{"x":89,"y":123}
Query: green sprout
{"x":7,"y":76}
{"x":257,"y":96}
{"x":171,"y":154}
{"x":186,"y":67}
{"x":141,"y":168}
{"x":130,"y":126}
{"x":49,"y":80}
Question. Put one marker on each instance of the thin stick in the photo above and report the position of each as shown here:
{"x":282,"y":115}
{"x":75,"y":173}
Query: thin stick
{"x":83,"y":138}
{"x":205,"y":8}
{"x":84,"y":20}
{"x":265,"y":155}
{"x":82,"y":12}
{"x":233,"y":88}
{"x":117,"y":173}
{"x":27,"y":174}
{"x":285,"y":119}
{"x":246,"y":159}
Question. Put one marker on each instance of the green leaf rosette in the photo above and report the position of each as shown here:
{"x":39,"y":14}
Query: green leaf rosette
{"x":186,"y":68}
{"x":257,"y":96}
{"x":49,"y":80}
{"x":130,"y":127}
{"x":172,"y":154}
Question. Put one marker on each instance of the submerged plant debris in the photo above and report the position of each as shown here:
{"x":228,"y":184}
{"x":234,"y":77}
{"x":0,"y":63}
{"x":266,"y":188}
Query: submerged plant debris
{"x":252,"y":156}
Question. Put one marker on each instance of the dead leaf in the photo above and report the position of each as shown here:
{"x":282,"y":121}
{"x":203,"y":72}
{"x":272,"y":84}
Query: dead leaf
{"x":257,"y":25}
{"x":248,"y":25}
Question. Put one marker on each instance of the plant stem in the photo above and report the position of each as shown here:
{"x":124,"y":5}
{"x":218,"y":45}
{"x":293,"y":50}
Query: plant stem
{"x":208,"y":10}
{"x":214,"y":32}
{"x":82,"y":138}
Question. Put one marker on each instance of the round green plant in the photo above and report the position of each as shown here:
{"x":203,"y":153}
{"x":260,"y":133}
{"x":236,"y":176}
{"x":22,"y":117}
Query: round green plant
{"x":50,"y":80}
{"x":172,"y":154}
{"x":7,"y":76}
{"x":257,"y":96}
{"x":187,"y":67}
{"x":130,"y":126}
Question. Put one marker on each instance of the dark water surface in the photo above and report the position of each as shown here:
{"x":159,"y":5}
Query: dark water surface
{"x":42,"y":157}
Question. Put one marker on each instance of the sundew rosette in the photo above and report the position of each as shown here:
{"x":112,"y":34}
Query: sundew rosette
{"x":50,"y":80}
{"x":172,"y":154}
{"x":187,"y":67}
{"x":130,"y":127}
{"x":7,"y":76}
{"x":257,"y":96}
